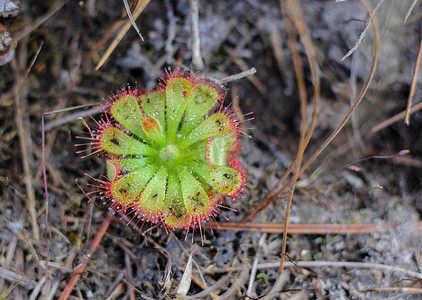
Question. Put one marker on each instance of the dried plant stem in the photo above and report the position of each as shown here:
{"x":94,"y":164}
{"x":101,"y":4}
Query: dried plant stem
{"x":129,"y":14}
{"x":278,"y":285}
{"x":302,"y":143}
{"x":362,"y":35}
{"x":23,"y":280}
{"x":310,"y":53}
{"x":409,"y":290}
{"x":244,"y":67}
{"x":293,"y":10}
{"x":362,"y":92}
{"x":271,"y":194}
{"x":255,"y":265}
{"x":238,"y":76}
{"x":275,"y":192}
{"x":396,"y":118}
{"x":277,"y":45}
{"x":342,"y":264}
{"x":81,"y":268}
{"x":410,"y":10}
{"x":313,"y":228}
{"x":23,"y":139}
{"x":197,"y":62}
{"x":74,"y":116}
{"x":414,"y":83}
{"x":138,"y":10}
{"x":321,"y":264}
{"x":242,"y":278}
{"x":201,"y":295}
{"x":11,"y":252}
{"x":44,"y":173}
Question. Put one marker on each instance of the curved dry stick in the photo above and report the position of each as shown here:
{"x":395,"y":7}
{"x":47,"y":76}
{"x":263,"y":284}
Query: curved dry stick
{"x":305,"y":136}
{"x":4,"y":295}
{"x":321,"y":229}
{"x":362,"y":92}
{"x":79,"y":271}
{"x":129,"y":14}
{"x":293,"y":10}
{"x":310,"y":54}
{"x":396,"y":118}
{"x":414,"y":83}
{"x":330,"y":138}
{"x":21,"y":118}
{"x":273,"y":193}
{"x":342,"y":264}
{"x":44,"y":174}
{"x":125,"y":27}
{"x":197,"y":61}
{"x":242,"y":278}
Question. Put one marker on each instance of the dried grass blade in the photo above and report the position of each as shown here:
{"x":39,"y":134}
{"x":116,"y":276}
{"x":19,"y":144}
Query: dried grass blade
{"x":414,"y":83}
{"x":293,"y":16}
{"x":396,"y":118}
{"x":139,"y":9}
{"x":185,"y":282}
{"x":129,"y":14}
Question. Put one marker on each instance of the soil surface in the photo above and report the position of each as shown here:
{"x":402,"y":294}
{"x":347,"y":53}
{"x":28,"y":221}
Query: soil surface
{"x":59,"y":43}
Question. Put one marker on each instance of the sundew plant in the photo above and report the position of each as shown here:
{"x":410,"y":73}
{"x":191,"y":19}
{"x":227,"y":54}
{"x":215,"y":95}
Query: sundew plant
{"x":171,"y":153}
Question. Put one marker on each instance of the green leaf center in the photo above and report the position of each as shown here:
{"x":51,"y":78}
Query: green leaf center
{"x":170,"y":156}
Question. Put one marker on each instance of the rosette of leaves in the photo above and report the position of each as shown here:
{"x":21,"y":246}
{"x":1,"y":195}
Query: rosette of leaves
{"x":171,"y":153}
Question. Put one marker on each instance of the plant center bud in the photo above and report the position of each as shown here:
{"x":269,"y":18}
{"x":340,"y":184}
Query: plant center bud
{"x":170,"y":156}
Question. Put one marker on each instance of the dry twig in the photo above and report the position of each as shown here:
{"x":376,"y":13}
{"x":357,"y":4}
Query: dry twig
{"x":77,"y":273}
{"x":125,"y":27}
{"x":313,"y":228}
{"x":342,"y":264}
{"x":410,"y":10}
{"x":363,"y":33}
{"x":238,"y":76}
{"x":396,"y":118}
{"x":294,"y":17}
{"x":197,"y":62}
{"x":21,"y":120}
{"x":129,"y":14}
{"x":414,"y":83}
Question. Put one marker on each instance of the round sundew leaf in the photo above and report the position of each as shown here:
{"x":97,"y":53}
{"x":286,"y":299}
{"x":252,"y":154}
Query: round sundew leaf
{"x":224,"y":179}
{"x":175,"y":214}
{"x":217,"y":150}
{"x":111,"y":171}
{"x":195,"y":198}
{"x":126,"y":189}
{"x":117,"y":142}
{"x":153,"y":129}
{"x":202,"y":100}
{"x":216,"y":125}
{"x":151,"y":200}
{"x":154,"y":104}
{"x":178,"y":93}
{"x":127,"y":112}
